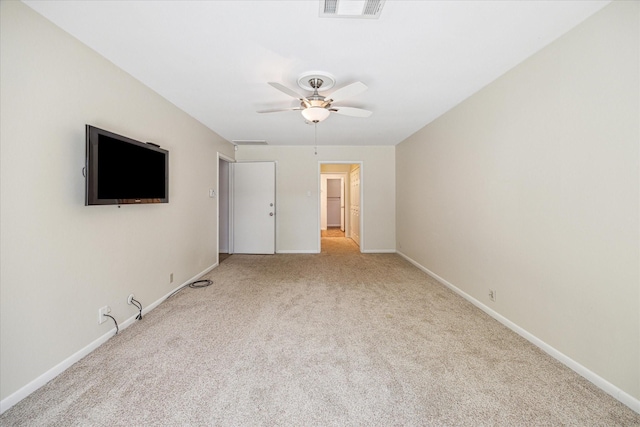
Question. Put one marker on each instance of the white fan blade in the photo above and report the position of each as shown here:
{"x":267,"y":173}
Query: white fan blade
{"x":348,"y":91}
{"x":288,"y":91}
{"x":351,"y":111}
{"x":276,"y":110}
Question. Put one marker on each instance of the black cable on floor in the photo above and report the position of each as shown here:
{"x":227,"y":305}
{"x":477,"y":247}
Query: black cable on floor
{"x":200,"y":284}
{"x":194,"y":285}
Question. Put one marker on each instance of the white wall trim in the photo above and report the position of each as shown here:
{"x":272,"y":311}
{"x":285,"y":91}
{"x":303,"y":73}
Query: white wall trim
{"x":34,"y":385}
{"x":311,"y":251}
{"x":597,"y":380}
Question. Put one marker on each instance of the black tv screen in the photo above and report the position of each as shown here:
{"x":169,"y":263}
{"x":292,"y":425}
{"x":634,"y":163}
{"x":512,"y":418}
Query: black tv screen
{"x":121,"y":170}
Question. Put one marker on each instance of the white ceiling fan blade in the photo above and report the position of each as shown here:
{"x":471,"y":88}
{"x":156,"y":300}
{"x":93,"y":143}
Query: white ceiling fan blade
{"x":284,"y":89}
{"x":351,"y":111}
{"x":276,"y":110}
{"x":348,"y":91}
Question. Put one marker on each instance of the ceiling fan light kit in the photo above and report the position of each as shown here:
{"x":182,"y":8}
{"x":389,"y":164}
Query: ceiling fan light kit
{"x":315,"y":114}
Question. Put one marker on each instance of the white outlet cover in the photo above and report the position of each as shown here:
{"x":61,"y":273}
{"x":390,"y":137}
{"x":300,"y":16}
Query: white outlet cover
{"x":101,"y":314}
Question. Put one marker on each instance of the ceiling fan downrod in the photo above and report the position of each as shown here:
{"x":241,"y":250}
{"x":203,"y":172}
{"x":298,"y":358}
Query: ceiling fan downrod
{"x":315,"y":100}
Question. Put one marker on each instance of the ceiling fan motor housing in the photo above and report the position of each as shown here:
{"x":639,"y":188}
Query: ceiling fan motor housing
{"x":315,"y":100}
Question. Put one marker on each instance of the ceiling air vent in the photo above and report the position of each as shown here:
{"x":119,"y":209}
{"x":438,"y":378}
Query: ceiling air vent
{"x":330,"y":7}
{"x":363,"y":9}
{"x":249,"y":142}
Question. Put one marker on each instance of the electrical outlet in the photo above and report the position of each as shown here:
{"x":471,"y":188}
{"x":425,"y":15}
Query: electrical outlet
{"x":101,"y":314}
{"x":171,"y":278}
{"x":492,"y":295}
{"x":130,"y":299}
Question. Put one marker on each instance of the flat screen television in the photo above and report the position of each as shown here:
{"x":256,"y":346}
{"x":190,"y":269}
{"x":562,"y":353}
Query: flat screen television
{"x":121,"y":170}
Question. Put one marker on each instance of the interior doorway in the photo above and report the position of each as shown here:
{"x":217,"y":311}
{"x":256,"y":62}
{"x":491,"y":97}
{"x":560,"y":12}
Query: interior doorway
{"x":340,"y":208}
{"x":224,"y":208}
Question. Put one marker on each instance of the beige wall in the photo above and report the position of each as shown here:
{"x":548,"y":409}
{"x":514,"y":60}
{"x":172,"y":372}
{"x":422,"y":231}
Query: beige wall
{"x":335,"y":167}
{"x":531,"y":188}
{"x":298,"y":174}
{"x":61,"y":261}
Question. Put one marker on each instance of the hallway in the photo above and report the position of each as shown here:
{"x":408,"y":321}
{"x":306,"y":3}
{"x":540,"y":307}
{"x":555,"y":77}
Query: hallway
{"x":332,"y":232}
{"x":333,"y":242}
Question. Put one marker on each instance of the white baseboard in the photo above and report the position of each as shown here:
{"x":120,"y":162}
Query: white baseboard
{"x":311,"y":251}
{"x":597,"y":380}
{"x":26,"y":390}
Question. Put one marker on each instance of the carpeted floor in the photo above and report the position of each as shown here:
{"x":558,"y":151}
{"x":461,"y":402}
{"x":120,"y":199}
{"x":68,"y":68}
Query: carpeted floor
{"x":332,"y":232}
{"x":332,"y":339}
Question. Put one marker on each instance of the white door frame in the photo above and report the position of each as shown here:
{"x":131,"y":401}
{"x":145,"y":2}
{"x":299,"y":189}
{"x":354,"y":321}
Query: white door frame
{"x":230,"y":205}
{"x":360,"y":163}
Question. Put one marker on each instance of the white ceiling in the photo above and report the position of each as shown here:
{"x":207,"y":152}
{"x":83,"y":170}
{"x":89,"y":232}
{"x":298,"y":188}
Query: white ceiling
{"x":213,"y":59}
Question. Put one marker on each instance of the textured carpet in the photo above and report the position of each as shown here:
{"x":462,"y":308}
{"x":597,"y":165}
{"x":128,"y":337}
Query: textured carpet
{"x":332,"y":339}
{"x":332,"y":232}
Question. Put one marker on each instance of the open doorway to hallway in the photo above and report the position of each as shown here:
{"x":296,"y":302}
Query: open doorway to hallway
{"x":340,"y":205}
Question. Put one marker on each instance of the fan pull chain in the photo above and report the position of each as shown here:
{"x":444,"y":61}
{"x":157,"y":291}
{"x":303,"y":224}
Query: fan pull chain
{"x":315,"y":128}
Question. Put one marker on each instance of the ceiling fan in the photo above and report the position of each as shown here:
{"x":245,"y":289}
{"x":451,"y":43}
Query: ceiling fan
{"x":315,"y":108}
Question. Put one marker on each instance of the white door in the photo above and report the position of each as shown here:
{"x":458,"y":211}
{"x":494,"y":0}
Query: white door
{"x":342,"y":204}
{"x":254,"y":199}
{"x":355,"y":205}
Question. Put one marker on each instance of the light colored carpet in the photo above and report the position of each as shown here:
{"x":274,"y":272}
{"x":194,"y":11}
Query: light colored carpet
{"x":332,"y":232}
{"x":332,"y":339}
{"x":339,"y":246}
